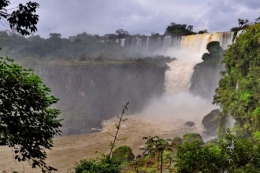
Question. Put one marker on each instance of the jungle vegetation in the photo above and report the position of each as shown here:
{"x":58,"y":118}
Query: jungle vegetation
{"x":238,"y":91}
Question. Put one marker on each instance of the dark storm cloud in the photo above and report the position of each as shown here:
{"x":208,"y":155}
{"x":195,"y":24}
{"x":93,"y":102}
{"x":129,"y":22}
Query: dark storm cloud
{"x":71,"y":17}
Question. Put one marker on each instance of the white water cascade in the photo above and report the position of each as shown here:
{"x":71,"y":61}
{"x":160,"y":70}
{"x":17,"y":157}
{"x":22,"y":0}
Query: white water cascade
{"x":166,"y":115}
{"x":198,"y":42}
{"x":195,"y":43}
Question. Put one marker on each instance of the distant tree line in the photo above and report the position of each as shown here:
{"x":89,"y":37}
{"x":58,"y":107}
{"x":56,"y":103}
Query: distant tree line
{"x":84,"y":46}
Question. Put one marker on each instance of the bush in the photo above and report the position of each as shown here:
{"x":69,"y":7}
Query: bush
{"x":123,"y":154}
{"x":228,"y":155}
{"x":215,"y":52}
{"x":176,"y":141}
{"x":189,"y":137}
{"x":101,"y":164}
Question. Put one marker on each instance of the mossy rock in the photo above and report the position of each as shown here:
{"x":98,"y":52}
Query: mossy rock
{"x":176,"y":141}
{"x":211,"y":123}
{"x":190,"y":137}
{"x":123,"y":154}
{"x":212,"y":141}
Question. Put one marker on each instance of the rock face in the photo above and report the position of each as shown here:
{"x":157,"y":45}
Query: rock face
{"x":91,"y":93}
{"x":210,"y":122}
{"x":205,"y":79}
{"x":206,"y":74}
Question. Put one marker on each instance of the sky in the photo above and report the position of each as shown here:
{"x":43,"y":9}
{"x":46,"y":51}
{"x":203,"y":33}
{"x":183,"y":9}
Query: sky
{"x":71,"y":17}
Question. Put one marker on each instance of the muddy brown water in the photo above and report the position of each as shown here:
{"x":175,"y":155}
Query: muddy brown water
{"x":69,"y":149}
{"x":163,"y":117}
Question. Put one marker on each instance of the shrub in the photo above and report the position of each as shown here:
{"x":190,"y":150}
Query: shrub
{"x":123,"y":154}
{"x":101,"y":164}
{"x":228,"y":155}
{"x":189,"y":137}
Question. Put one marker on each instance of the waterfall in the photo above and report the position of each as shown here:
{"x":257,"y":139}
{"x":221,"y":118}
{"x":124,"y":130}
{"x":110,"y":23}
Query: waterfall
{"x":176,"y":42}
{"x":178,"y":78}
{"x":167,"y":114}
{"x":123,"y":42}
{"x":138,"y":43}
{"x":147,"y":43}
{"x":194,"y":43}
{"x":188,"y":54}
{"x":198,"y":42}
{"x":226,"y":39}
{"x":238,"y":33}
{"x":167,"y":42}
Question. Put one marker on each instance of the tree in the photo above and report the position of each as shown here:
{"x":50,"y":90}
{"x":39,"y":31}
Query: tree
{"x":179,"y":29}
{"x":24,"y":19}
{"x":242,"y":24}
{"x":257,"y":20}
{"x":27,"y":123}
{"x":190,"y":27}
{"x":238,"y":91}
{"x":203,"y":31}
{"x":158,"y":145}
{"x":122,"y":33}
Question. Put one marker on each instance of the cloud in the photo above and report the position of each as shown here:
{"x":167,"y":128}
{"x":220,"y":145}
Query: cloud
{"x":139,"y":16}
{"x":251,"y":4}
{"x":223,"y":15}
{"x":219,"y":16}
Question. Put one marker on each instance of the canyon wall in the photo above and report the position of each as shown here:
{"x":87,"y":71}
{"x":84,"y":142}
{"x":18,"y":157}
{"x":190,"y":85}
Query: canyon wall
{"x":91,"y":93}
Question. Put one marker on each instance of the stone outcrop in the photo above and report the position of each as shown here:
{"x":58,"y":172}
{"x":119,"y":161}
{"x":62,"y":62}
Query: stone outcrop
{"x":205,"y":79}
{"x":210,"y":122}
{"x":189,"y":124}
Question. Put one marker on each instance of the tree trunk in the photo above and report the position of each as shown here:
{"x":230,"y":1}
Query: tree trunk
{"x":161,"y":161}
{"x":158,"y":160}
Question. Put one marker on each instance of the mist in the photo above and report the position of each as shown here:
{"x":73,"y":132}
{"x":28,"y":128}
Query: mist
{"x":177,"y":102}
{"x":169,"y":112}
{"x":181,"y":105}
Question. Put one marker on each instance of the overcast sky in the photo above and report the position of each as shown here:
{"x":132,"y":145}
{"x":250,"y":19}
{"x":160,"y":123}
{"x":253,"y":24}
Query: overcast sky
{"x":70,"y":17}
